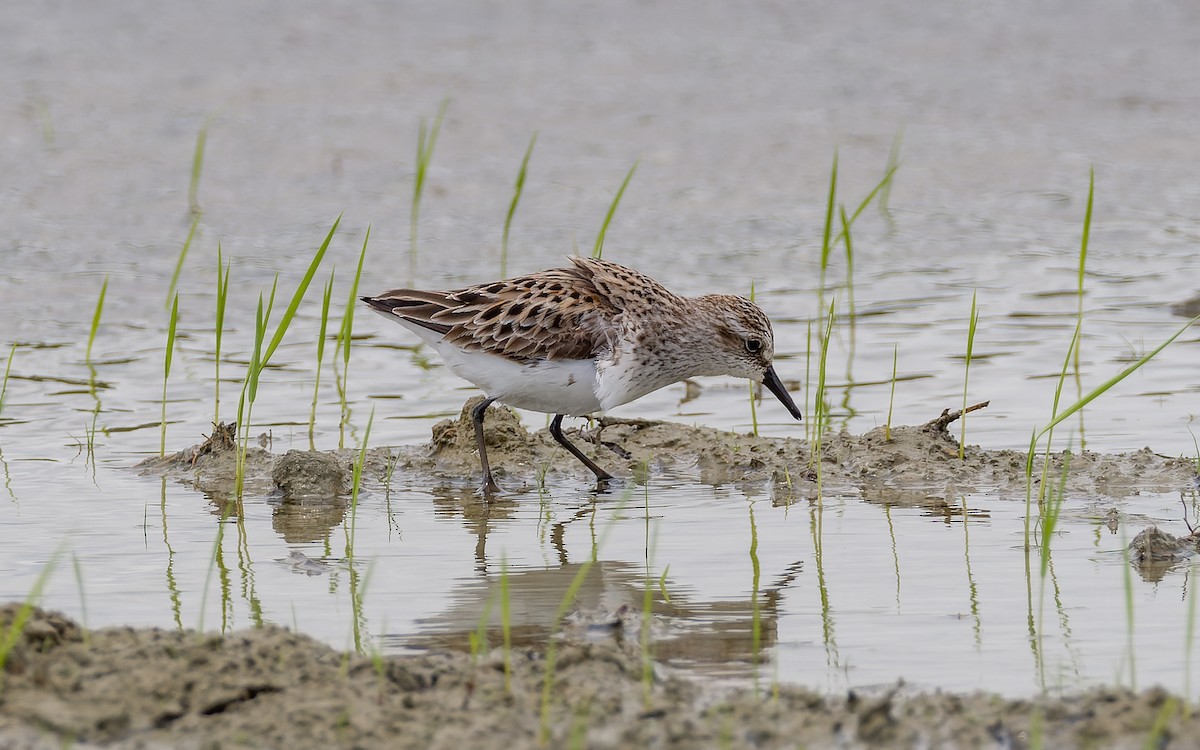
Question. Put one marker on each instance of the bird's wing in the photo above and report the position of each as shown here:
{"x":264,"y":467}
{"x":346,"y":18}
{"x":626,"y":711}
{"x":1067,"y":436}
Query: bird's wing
{"x":554,"y":314}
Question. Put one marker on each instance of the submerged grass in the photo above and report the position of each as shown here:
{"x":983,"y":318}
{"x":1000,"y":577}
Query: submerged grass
{"x":598,"y":248}
{"x":512,"y":206}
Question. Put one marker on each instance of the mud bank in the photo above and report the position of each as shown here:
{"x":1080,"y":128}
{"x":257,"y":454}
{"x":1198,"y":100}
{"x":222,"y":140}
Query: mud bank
{"x":919,"y":461}
{"x":270,"y":688}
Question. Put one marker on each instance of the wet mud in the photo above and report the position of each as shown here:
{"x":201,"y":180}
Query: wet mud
{"x":150,"y":688}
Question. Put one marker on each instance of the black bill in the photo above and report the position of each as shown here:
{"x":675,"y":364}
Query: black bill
{"x":775,"y":385}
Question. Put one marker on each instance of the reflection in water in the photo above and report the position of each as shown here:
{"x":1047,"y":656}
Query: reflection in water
{"x":172,"y":586}
{"x":713,"y":637}
{"x":8,"y":478}
{"x":478,"y":515}
{"x":301,"y":521}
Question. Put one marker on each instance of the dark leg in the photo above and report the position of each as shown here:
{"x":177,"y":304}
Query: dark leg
{"x":556,"y":433}
{"x":489,"y":484}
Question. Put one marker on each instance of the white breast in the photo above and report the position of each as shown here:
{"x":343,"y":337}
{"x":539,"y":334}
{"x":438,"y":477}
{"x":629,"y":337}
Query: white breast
{"x":559,"y":387}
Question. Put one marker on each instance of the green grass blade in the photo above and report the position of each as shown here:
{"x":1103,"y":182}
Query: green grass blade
{"x":162,"y":445}
{"x":219,"y":324}
{"x":7,"y":369}
{"x":351,"y":303}
{"x":512,"y":207}
{"x":887,"y":428}
{"x":972,"y":323}
{"x":187,"y":245}
{"x":426,"y":140}
{"x":827,"y":239}
{"x":885,"y":195}
{"x":862,"y":206}
{"x":345,"y":336}
{"x":1083,"y":253}
{"x":299,"y":295}
{"x":197,"y":165}
{"x":10,"y":636}
{"x":256,"y":359}
{"x":1103,"y":387}
{"x":96,"y":319}
{"x":312,"y":414}
{"x":598,"y":248}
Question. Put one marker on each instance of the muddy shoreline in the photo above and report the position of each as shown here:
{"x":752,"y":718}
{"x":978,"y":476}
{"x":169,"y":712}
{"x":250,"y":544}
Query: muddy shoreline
{"x":270,"y":688}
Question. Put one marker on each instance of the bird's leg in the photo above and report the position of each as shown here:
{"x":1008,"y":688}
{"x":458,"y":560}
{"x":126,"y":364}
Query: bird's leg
{"x":489,"y":485}
{"x":556,"y":433}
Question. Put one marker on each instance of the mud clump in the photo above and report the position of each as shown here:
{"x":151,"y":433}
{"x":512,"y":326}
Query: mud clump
{"x":1153,"y":551}
{"x":144,"y":687}
{"x":302,"y":475}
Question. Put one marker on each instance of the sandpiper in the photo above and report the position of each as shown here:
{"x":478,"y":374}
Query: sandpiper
{"x":579,"y":340}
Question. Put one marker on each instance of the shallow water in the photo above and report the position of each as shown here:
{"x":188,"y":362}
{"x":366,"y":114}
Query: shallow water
{"x":313,"y":110}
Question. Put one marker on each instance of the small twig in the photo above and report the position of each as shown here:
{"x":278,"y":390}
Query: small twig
{"x":1191,"y":529}
{"x":948,"y":416}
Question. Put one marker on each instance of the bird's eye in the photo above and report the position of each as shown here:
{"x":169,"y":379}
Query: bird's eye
{"x":753,"y":345}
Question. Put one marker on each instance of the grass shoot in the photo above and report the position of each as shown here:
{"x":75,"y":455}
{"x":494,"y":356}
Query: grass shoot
{"x":893,"y":162}
{"x":219,"y":331}
{"x":187,"y":244}
{"x":162,"y":443}
{"x":512,"y":207}
{"x":12,"y":352}
{"x":1083,"y":253}
{"x":887,"y":427}
{"x":10,"y":635}
{"x":820,"y":404}
{"x":312,"y":414}
{"x":426,"y":140}
{"x":194,"y":182}
{"x":827,"y":239}
{"x":96,"y":321}
{"x":972,"y":323}
{"x":598,"y":248}
{"x":344,"y":337}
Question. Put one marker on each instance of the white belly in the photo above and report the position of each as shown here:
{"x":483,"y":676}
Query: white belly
{"x":562,"y":387}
